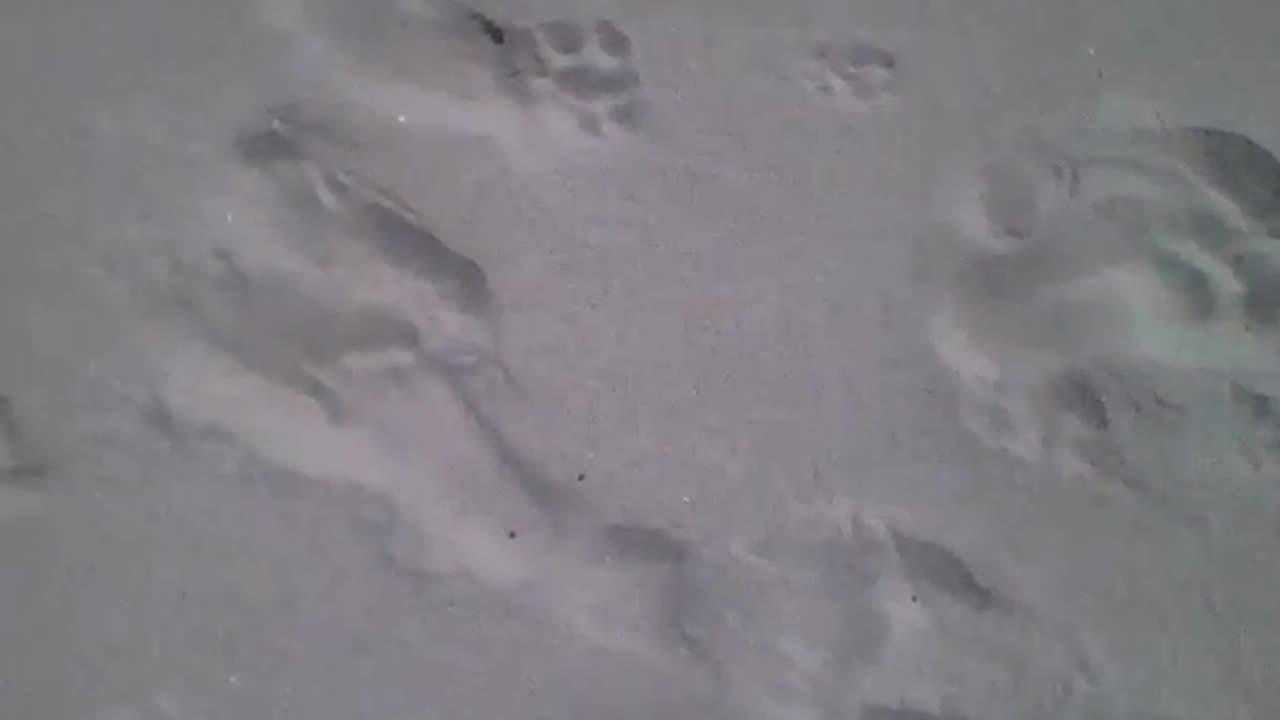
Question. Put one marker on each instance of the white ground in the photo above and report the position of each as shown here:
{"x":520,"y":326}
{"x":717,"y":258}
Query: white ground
{"x":722,"y":321}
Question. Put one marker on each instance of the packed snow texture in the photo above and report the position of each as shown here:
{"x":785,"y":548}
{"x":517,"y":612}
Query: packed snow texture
{"x":409,"y":357}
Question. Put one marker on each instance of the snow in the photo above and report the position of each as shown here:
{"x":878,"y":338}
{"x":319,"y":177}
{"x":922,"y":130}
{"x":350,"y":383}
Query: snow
{"x":872,"y":360}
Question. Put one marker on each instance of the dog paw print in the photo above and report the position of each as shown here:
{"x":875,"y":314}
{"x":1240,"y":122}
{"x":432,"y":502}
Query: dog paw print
{"x":855,"y":75}
{"x":584,"y":69}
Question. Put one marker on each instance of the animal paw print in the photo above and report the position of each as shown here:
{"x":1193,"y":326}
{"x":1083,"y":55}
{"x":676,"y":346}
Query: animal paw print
{"x":787,"y":623}
{"x":855,"y":75}
{"x":586,"y":70}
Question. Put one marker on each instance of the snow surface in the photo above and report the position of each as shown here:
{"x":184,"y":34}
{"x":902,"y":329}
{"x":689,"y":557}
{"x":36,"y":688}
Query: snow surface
{"x":812,"y":360}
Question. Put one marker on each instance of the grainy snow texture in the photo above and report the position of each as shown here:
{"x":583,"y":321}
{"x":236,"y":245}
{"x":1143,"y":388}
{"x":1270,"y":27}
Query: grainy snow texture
{"x":571,"y":359}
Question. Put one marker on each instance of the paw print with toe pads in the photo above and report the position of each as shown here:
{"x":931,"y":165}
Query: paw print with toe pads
{"x":1093,"y":249}
{"x":855,"y":75}
{"x":586,"y":70}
